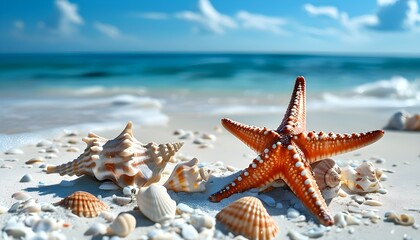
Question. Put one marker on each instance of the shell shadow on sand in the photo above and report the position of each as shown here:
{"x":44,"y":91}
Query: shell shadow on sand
{"x":84,"y":183}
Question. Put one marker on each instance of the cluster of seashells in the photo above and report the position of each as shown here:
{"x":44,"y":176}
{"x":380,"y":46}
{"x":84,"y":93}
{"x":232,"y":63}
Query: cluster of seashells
{"x":403,"y":120}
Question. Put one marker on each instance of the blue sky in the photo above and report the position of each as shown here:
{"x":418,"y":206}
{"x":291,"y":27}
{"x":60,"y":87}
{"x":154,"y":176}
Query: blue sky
{"x":371,"y":26}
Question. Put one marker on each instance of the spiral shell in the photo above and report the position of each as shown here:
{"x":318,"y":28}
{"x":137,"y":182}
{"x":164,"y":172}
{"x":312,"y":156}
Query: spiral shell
{"x":83,"y":204}
{"x":155,"y":203}
{"x":403,"y":219}
{"x":186,"y":177}
{"x":123,"y":160}
{"x":123,"y":225}
{"x":248,"y":217}
{"x":326,"y":173}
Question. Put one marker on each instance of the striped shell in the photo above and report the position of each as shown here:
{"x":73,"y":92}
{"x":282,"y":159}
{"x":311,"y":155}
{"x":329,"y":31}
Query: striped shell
{"x":155,"y":203}
{"x":327,"y":174}
{"x":123,"y":160}
{"x":186,"y":177}
{"x":248,"y":217}
{"x":83,"y":204}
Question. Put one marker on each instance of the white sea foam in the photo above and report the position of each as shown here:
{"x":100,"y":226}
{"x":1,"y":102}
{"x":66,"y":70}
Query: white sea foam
{"x":31,"y":120}
{"x":396,"y":92}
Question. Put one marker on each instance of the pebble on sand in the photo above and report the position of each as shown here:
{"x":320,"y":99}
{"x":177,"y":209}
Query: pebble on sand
{"x":27,"y":178}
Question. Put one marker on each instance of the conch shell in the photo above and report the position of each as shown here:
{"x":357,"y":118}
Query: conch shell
{"x":327,"y":174}
{"x":123,"y":160}
{"x":248,"y":217}
{"x":365,"y":178}
{"x":186,"y":177}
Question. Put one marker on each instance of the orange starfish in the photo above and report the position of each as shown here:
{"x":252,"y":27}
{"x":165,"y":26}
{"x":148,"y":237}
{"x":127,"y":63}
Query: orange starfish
{"x":286,"y":153}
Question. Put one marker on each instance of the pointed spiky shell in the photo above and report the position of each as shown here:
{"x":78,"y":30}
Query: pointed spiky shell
{"x":123,"y":160}
{"x":155,"y":203}
{"x":186,"y":177}
{"x":327,"y":174}
{"x":248,"y":217}
{"x":83,"y":204}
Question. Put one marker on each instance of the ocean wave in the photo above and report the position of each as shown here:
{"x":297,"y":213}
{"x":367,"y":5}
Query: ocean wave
{"x":392,"y":93}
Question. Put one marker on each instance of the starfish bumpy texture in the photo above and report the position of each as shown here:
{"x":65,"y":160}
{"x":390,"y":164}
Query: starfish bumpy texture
{"x":286,"y":153}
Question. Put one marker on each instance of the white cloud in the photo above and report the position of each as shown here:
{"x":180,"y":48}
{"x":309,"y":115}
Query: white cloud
{"x":209,"y":18}
{"x":152,"y":15}
{"x":108,"y":30}
{"x":19,"y":25}
{"x":398,"y":16}
{"x":328,"y":11}
{"x":385,"y":2}
{"x":69,"y":17}
{"x":261,"y":22}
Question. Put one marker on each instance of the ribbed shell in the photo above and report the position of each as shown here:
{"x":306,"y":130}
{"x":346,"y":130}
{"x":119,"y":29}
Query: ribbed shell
{"x":248,"y":217}
{"x":155,"y":203}
{"x":83,"y":204}
{"x":186,"y":178}
{"x":123,"y":160}
{"x":326,"y":173}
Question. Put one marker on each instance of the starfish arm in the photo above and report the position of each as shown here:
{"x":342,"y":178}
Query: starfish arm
{"x":294,"y":119}
{"x":297,"y":174}
{"x":318,"y":146}
{"x":255,"y":138}
{"x":260,"y":172}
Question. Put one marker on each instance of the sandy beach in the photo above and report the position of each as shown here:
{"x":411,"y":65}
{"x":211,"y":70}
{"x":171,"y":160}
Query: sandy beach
{"x":398,"y":151}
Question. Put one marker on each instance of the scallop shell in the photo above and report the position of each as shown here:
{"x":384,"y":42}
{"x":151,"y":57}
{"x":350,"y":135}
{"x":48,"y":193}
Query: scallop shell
{"x":186,"y":178}
{"x":123,"y":225}
{"x":155,"y":203}
{"x":83,"y":204}
{"x":248,"y":217}
{"x":362,"y":179}
{"x":123,"y":160}
{"x":327,"y":174}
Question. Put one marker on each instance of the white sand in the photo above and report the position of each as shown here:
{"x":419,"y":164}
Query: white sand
{"x":401,"y":150}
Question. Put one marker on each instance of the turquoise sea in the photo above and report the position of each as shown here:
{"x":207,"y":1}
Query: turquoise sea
{"x":41,"y":93}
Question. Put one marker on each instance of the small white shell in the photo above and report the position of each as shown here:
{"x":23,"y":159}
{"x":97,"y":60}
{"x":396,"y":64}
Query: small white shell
{"x":155,"y":203}
{"x":200,"y":221}
{"x":403,"y":219}
{"x":121,"y":200}
{"x":123,"y":225}
{"x":14,"y":151}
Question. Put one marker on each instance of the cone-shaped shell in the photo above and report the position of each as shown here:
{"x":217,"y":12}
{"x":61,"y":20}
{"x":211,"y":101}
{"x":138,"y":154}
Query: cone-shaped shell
{"x":83,"y":204}
{"x":186,"y":178}
{"x":155,"y":203}
{"x":327,"y":174}
{"x":123,"y":225}
{"x":248,"y":217}
{"x":123,"y":160}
